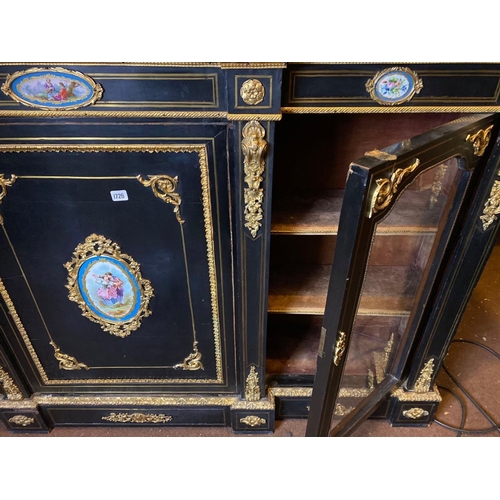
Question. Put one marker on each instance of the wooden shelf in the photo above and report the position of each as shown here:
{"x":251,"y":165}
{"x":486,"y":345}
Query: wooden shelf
{"x":318,"y":212}
{"x":302,"y":289}
{"x":292,"y":343}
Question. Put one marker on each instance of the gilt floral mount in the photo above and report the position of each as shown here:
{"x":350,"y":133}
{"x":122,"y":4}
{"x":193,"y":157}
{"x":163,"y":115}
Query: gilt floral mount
{"x":52,"y":88}
{"x":108,"y":286}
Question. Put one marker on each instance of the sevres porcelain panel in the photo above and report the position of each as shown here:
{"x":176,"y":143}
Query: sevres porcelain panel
{"x":108,"y":286}
{"x":52,"y":88}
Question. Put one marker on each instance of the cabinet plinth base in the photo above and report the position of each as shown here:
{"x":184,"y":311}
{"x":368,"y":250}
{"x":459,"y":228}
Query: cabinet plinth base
{"x":413,"y":409}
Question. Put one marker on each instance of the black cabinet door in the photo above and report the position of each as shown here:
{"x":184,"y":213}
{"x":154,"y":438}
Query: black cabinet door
{"x":115,"y":260}
{"x":401,"y":214}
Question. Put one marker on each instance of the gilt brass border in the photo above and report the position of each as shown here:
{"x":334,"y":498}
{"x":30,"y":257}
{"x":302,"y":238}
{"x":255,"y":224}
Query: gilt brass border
{"x":201,"y":150}
{"x":379,"y":109}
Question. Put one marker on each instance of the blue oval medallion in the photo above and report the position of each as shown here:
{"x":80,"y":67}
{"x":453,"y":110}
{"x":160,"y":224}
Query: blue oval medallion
{"x":53,"y":88}
{"x":109,"y":289}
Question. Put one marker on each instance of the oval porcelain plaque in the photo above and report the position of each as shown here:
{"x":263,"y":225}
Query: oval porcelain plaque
{"x":109,"y":289}
{"x":52,"y":88}
{"x":108,"y":286}
{"x":394,"y":86}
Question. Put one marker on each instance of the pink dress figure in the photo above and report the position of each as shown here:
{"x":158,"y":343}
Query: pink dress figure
{"x":111,"y":289}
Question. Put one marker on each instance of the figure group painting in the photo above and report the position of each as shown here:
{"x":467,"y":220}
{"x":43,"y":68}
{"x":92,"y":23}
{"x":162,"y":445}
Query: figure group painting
{"x":52,"y":88}
{"x":109,"y":289}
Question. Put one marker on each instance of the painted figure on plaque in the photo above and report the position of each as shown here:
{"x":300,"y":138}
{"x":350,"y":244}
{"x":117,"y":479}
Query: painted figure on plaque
{"x":63,"y":93}
{"x":49,"y":89}
{"x":52,"y":88}
{"x":108,"y":286}
{"x":111,"y":289}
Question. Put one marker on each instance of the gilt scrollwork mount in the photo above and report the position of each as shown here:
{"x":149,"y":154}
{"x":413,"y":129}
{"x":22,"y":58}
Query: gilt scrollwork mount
{"x":480,"y":140}
{"x":254,"y":148}
{"x":387,"y":189}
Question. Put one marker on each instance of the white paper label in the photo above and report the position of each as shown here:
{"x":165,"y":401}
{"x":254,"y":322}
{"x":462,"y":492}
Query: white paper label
{"x":120,"y":195}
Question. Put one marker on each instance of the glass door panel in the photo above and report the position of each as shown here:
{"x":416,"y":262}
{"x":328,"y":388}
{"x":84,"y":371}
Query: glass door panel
{"x":394,"y":280}
{"x":397,"y":221}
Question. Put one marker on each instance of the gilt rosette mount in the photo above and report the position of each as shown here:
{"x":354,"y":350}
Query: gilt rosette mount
{"x":252,"y":92}
{"x":254,"y":149}
{"x":394,"y":86}
{"x":52,"y":88}
{"x":108,"y":286}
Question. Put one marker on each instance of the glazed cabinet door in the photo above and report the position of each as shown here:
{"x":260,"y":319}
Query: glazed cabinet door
{"x":401,"y":212}
{"x":115,"y":260}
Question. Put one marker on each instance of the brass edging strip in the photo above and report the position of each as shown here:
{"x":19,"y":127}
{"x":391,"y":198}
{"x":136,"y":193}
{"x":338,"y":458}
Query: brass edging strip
{"x":407,"y":109}
{"x":118,"y":401}
{"x":140,"y":114}
{"x":27,"y":404}
{"x":114,"y":114}
{"x":222,"y":65}
{"x":250,"y":117}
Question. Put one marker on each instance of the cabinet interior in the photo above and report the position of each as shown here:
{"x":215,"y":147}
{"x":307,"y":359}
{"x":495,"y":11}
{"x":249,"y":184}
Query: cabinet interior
{"x":312,"y":158}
